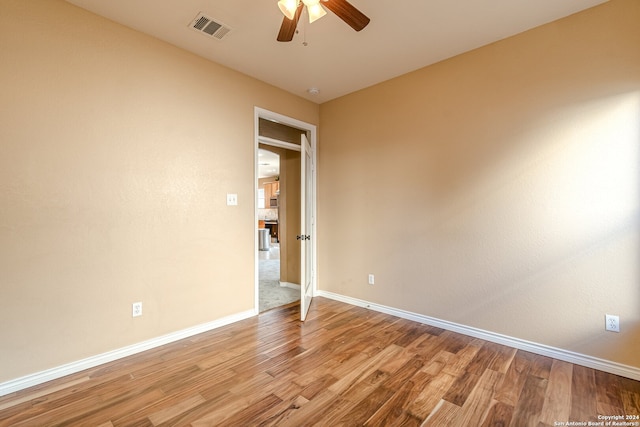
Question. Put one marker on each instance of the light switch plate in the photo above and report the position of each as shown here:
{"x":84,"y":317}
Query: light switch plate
{"x":232,"y":199}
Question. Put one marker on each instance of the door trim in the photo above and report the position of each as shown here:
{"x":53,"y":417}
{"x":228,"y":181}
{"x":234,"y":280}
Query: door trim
{"x":261,"y":113}
{"x":277,"y":143}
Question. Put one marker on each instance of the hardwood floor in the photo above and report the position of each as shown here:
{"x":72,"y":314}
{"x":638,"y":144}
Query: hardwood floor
{"x":345,"y":366}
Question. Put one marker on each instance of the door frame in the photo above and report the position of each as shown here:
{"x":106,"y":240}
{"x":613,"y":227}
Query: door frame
{"x":260,"y":113}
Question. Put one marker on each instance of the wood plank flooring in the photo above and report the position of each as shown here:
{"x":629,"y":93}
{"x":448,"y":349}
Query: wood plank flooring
{"x":344,"y":366}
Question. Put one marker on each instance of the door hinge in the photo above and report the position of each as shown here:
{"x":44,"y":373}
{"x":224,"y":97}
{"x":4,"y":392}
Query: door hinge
{"x":303,"y":237}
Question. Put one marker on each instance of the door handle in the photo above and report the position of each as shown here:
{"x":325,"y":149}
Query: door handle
{"x":303,"y":237}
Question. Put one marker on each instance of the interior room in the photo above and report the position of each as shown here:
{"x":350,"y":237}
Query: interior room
{"x":465,"y":230}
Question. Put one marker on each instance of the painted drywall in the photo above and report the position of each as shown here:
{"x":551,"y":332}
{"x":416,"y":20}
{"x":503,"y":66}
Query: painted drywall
{"x":498,"y":189}
{"x":116,"y":154}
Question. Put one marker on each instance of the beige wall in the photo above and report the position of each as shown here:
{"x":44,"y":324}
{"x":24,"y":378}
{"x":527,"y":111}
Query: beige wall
{"x":498,"y":189}
{"x":116,"y":154}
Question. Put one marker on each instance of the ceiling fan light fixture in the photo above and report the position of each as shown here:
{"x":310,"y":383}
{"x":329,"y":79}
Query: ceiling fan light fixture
{"x":288,"y":7}
{"x":316,"y":11}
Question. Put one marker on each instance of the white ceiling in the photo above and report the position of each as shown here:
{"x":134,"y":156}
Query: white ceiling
{"x":402,"y":36}
{"x":268,"y":164}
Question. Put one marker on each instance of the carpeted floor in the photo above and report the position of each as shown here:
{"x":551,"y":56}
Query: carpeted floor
{"x":271,"y":293}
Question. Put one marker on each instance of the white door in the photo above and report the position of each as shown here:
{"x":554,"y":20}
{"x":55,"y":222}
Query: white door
{"x":306,"y":227}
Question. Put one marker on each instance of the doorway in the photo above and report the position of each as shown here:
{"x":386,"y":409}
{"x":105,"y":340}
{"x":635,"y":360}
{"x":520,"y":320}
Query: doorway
{"x":279,"y":204}
{"x":278,"y":220}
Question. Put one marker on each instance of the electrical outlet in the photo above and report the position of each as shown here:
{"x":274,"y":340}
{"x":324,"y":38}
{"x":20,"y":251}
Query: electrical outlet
{"x":136,"y":309}
{"x":232,"y":199}
{"x":612,"y":323}
{"x":371,"y":279}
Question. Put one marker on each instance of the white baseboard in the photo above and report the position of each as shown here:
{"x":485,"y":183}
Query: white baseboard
{"x":290,"y":285}
{"x":91,"y":362}
{"x":544,"y":350}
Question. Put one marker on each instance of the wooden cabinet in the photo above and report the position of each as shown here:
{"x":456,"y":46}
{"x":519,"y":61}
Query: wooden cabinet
{"x":267,"y":193}
{"x":271,"y":189}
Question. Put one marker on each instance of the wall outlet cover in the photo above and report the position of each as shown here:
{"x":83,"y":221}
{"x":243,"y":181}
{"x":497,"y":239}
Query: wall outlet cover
{"x":136,"y":309}
{"x":232,"y":199}
{"x":612,"y":323}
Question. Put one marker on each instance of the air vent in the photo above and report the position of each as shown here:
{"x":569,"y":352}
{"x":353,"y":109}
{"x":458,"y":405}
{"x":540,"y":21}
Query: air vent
{"x":209,"y":26}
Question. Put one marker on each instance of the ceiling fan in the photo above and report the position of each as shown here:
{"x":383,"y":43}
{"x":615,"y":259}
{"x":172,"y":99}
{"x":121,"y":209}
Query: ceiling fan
{"x":292,"y":9}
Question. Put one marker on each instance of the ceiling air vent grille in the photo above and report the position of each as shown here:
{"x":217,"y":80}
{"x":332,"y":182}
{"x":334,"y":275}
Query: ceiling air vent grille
{"x":209,"y":27}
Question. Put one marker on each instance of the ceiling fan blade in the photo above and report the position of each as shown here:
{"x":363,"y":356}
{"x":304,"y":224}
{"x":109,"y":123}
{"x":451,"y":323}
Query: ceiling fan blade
{"x":348,"y":13}
{"x":288,"y":27}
